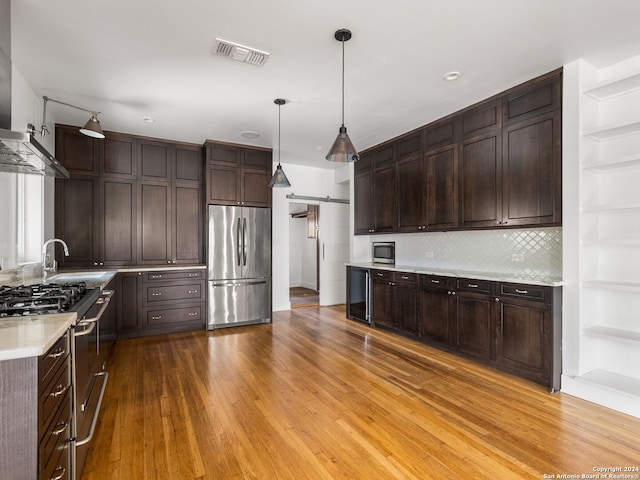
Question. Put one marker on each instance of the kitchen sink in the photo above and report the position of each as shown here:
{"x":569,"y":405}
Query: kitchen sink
{"x":93,"y":278}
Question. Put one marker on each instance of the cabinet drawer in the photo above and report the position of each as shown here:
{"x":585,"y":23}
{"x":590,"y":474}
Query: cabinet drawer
{"x":59,"y":465}
{"x":482,"y":286}
{"x":384,"y":275}
{"x":529,"y":292}
{"x":54,"y":439}
{"x":436,"y":281}
{"x":171,"y":275}
{"x":174,"y":315}
{"x":403,"y":277}
{"x":48,"y":362}
{"x":54,"y":395}
{"x":164,"y":293}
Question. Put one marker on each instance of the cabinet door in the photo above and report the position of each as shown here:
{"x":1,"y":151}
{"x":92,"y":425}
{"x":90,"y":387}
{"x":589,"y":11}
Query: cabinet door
{"x":384,"y":199}
{"x":155,"y":159}
{"x":382,"y":307}
{"x":440,"y":133}
{"x":119,"y":156}
{"x":436,"y":312}
{"x":188,"y":161}
{"x":536,"y":97}
{"x":481,"y":181}
{"x":363,"y":212}
{"x":117,"y":222}
{"x":524,"y":345}
{"x":473,"y":332}
{"x":254,"y":188}
{"x":222,"y":154}
{"x":531,"y":191}
{"x":187,"y":235}
{"x":405,"y":297}
{"x":154,"y":223}
{"x":482,"y":119}
{"x":129,"y":303}
{"x":76,"y":220}
{"x":409,"y":175}
{"x":223,"y":185}
{"x":256,"y":159}
{"x":78,"y":153}
{"x":441,"y":188}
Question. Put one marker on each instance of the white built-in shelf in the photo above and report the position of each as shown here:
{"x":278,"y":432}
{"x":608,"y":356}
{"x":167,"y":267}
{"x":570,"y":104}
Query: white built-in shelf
{"x":633,"y":287}
{"x":621,"y":164}
{"x":607,"y":132}
{"x":614,"y":242}
{"x":613,"y":334}
{"x":612,"y":381}
{"x":613,"y":87}
{"x":614,"y":207}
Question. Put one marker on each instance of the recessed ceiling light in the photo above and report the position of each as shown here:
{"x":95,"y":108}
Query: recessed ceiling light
{"x":450,"y":76}
{"x":249,"y":134}
{"x":148,"y":120}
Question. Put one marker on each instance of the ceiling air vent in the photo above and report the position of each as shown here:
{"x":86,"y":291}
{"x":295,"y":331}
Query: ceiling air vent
{"x":239,"y":52}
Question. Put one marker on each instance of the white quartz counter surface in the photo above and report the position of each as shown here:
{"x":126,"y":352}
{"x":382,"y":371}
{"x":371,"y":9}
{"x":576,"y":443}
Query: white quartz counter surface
{"x":32,"y":335}
{"x":496,"y":277}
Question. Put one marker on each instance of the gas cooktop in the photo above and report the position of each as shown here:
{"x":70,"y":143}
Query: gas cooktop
{"x":43,"y":299}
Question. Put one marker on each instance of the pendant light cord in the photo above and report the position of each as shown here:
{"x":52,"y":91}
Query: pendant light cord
{"x":342,"y":81}
{"x":279,"y":129}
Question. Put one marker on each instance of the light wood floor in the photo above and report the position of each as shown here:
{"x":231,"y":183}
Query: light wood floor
{"x":316,"y":396}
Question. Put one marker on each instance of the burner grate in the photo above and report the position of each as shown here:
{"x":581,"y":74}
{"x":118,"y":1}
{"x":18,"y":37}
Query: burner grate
{"x":39,"y":299}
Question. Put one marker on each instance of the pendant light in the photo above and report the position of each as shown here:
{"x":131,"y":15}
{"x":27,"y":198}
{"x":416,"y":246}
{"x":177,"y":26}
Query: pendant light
{"x":91,"y":128}
{"x":279,"y":179}
{"x":342,"y":149}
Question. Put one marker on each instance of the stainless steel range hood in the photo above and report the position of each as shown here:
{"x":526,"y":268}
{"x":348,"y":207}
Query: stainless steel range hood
{"x":19,"y":152}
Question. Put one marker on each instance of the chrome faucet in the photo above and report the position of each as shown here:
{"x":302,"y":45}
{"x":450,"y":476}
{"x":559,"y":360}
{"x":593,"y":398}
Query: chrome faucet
{"x":45,"y":255}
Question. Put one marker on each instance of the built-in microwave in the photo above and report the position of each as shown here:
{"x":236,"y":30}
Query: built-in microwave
{"x":383,"y":252}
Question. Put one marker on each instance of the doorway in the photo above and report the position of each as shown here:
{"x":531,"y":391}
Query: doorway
{"x":304,"y":270}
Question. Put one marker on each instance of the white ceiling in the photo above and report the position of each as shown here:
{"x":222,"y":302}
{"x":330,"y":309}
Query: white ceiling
{"x":152,"y":58}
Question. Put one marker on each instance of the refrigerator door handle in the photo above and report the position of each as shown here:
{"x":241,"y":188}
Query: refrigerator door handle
{"x":244,"y":242}
{"x":237,"y":284}
{"x":238,"y":240}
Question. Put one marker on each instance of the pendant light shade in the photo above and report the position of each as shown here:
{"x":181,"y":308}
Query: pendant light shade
{"x":342,"y":149}
{"x":92,"y":127}
{"x":279,"y":179}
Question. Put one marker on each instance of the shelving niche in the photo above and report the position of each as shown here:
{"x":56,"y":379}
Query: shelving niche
{"x":609,"y":239}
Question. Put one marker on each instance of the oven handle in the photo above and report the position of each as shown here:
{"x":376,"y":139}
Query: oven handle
{"x":104,"y":301}
{"x":94,"y":420}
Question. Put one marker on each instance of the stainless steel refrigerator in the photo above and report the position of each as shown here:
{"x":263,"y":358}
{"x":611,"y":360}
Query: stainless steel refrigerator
{"x":238,"y":266}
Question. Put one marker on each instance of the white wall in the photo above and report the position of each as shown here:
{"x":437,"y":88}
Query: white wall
{"x":23,"y":197}
{"x":308,"y":181}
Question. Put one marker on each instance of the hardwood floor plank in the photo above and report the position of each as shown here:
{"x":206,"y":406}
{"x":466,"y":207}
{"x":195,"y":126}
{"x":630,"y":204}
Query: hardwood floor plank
{"x":316,"y":396}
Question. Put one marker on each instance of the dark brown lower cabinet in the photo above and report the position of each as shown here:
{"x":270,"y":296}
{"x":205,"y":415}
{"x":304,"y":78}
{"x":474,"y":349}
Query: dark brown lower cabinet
{"x":436,"y":309}
{"x":527,"y":338}
{"x":513,"y":327}
{"x":157,"y":302}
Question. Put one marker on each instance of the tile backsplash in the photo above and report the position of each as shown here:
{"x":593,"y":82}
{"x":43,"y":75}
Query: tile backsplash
{"x":529,"y":252}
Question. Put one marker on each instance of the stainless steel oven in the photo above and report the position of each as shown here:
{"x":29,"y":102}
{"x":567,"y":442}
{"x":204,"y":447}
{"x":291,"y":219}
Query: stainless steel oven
{"x":89,"y":378}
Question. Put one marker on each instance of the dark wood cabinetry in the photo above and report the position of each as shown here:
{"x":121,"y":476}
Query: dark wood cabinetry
{"x":526,"y":333}
{"x":394,"y":300}
{"x":136,"y":201}
{"x":155,"y":302}
{"x":510,"y":326}
{"x":492,"y":165}
{"x":238,"y":175}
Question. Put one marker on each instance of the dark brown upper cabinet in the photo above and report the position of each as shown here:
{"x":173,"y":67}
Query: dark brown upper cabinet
{"x":188,"y":161}
{"x":539,"y":96}
{"x":237,"y":174}
{"x":441,"y":132}
{"x":155,"y":159}
{"x":440,"y":188}
{"x":119,"y":156}
{"x":363,"y":191}
{"x":78,"y":153}
{"x":481,"y":119}
{"x":531,"y":170}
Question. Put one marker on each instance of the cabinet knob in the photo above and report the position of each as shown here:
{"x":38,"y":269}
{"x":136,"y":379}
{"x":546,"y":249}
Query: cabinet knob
{"x":101,"y":263}
{"x":95,"y":264}
{"x":419,"y":228}
{"x":139,"y":273}
{"x":496,"y":299}
{"x":168,"y":261}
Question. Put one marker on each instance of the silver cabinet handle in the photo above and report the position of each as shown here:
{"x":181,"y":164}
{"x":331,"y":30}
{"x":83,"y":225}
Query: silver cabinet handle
{"x":380,"y":275}
{"x":58,"y":390}
{"x":523,"y":292}
{"x":94,"y":420}
{"x":193,"y":314}
{"x":57,"y":353}
{"x":472,"y":285}
{"x":404,"y":278}
{"x":435,"y":281}
{"x":193,"y":291}
{"x":156,"y":276}
{"x":156,"y":317}
{"x":61,"y":427}
{"x":156,"y":294}
{"x":61,"y":471}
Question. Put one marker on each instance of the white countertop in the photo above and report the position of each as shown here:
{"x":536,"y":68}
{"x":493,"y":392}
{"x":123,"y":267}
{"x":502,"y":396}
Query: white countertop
{"x":32,"y":335}
{"x":493,"y":276}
